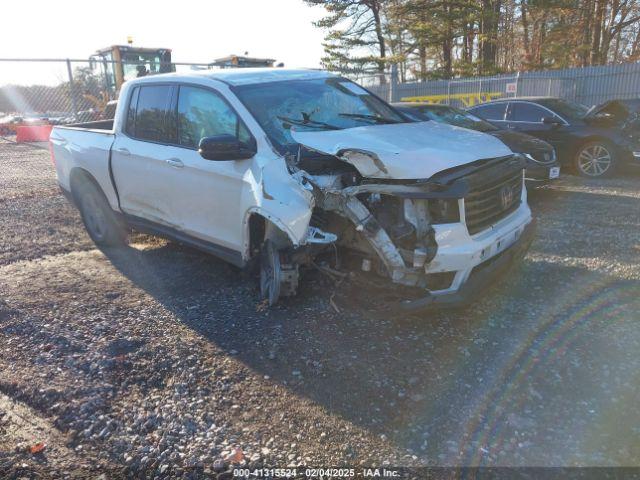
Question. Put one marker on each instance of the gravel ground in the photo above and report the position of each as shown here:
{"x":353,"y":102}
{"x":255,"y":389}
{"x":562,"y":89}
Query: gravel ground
{"x":159,"y":359}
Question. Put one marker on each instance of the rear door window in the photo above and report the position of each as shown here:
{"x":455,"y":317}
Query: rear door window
{"x":491,"y":111}
{"x":154,"y":120}
{"x":527,"y":112}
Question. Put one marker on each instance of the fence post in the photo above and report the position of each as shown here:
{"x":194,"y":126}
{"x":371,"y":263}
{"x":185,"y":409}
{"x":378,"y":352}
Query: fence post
{"x":394,"y":83}
{"x":449,"y":92}
{"x":72,"y":89}
{"x":549,"y":88}
{"x":517,"y":82}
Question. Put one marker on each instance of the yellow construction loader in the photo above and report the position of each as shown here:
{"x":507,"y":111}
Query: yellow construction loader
{"x":120,"y":63}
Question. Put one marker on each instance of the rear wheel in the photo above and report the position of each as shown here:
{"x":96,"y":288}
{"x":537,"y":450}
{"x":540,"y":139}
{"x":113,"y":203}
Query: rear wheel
{"x":595,"y":159}
{"x":98,"y":217}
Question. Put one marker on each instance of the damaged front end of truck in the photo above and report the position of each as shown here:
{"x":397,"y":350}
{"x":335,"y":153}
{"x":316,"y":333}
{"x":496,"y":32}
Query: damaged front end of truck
{"x":446,"y":236}
{"x":427,"y":206}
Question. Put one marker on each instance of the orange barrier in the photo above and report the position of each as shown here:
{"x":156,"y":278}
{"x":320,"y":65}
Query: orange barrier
{"x":33,"y":133}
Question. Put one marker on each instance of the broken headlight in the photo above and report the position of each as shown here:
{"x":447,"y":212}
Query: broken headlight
{"x":444,"y":211}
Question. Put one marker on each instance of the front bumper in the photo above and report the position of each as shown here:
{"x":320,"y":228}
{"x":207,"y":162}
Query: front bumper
{"x":537,"y":172}
{"x":633,"y":157}
{"x":490,"y":255}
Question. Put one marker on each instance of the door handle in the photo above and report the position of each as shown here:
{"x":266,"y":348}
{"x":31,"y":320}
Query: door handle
{"x":123,"y":151}
{"x":175,"y":162}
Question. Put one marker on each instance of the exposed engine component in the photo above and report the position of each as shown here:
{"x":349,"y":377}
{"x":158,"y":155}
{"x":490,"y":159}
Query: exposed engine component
{"x":389,"y":211}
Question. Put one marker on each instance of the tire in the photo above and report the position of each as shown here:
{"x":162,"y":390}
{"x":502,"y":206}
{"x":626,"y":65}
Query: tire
{"x":270,"y":273}
{"x":595,"y":159}
{"x":99,"y":219}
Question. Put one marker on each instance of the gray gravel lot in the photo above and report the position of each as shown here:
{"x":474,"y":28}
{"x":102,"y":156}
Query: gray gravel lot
{"x":158,"y":358}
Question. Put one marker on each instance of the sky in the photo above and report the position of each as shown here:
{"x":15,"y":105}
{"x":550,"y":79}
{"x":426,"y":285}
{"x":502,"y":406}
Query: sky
{"x":195,"y":31}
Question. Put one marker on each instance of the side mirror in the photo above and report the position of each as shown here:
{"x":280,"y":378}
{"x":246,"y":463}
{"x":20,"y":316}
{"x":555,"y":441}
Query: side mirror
{"x":225,"y":147}
{"x":551,"y":121}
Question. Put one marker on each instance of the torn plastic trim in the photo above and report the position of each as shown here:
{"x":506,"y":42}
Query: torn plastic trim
{"x":318,"y":236}
{"x":272,"y":219}
{"x":366,"y":162}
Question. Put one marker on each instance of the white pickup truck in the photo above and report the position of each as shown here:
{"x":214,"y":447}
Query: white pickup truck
{"x":274,"y":167}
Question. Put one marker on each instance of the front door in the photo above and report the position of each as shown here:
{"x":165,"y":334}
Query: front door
{"x":208,"y":199}
{"x":529,"y":118}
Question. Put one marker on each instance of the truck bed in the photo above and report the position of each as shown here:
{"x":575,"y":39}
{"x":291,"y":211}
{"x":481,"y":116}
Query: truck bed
{"x":86,"y":147}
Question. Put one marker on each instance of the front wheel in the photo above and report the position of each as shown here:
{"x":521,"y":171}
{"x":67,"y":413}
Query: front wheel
{"x":278,"y":273}
{"x":270,"y":273}
{"x":595,"y":159}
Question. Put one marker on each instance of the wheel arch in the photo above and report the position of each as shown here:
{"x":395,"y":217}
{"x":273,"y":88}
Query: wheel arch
{"x":260,"y":225}
{"x":593,"y":137}
{"x":79,"y":176}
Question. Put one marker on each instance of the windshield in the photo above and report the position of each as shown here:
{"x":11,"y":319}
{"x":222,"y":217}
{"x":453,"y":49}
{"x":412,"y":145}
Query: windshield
{"x":454,"y":116}
{"x":566,"y":109}
{"x":318,"y":104}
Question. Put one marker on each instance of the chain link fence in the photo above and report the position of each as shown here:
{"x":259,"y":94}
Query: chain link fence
{"x":588,"y":86}
{"x":37,"y":92}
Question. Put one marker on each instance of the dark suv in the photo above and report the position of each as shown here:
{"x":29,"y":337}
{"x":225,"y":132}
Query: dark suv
{"x":595,"y":141}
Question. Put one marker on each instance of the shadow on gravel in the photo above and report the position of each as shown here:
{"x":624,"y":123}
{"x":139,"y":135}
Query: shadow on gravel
{"x":450,"y":386}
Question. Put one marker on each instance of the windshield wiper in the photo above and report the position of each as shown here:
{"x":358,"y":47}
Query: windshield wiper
{"x":373,"y":118}
{"x":307,"y":122}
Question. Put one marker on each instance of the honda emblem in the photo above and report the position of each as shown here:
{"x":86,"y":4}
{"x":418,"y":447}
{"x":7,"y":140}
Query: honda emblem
{"x":506,"y":196}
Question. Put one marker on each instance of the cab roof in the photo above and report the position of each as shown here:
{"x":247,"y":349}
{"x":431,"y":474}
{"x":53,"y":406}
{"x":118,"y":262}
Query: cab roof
{"x":249,"y":76}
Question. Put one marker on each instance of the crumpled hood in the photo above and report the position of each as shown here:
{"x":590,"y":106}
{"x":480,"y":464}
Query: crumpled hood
{"x":403,"y":151}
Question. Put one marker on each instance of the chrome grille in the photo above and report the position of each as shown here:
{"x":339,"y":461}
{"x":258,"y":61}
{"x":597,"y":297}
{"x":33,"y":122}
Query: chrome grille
{"x":489,"y":202}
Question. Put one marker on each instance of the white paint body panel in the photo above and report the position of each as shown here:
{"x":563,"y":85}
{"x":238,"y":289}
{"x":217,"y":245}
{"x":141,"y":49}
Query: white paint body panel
{"x":87,"y":149}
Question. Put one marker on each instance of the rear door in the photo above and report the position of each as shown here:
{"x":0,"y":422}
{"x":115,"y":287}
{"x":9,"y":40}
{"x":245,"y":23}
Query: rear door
{"x":140,"y":158}
{"x":527,"y":117}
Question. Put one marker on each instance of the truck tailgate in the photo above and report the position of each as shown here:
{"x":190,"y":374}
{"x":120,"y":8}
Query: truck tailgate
{"x":88,"y":149}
